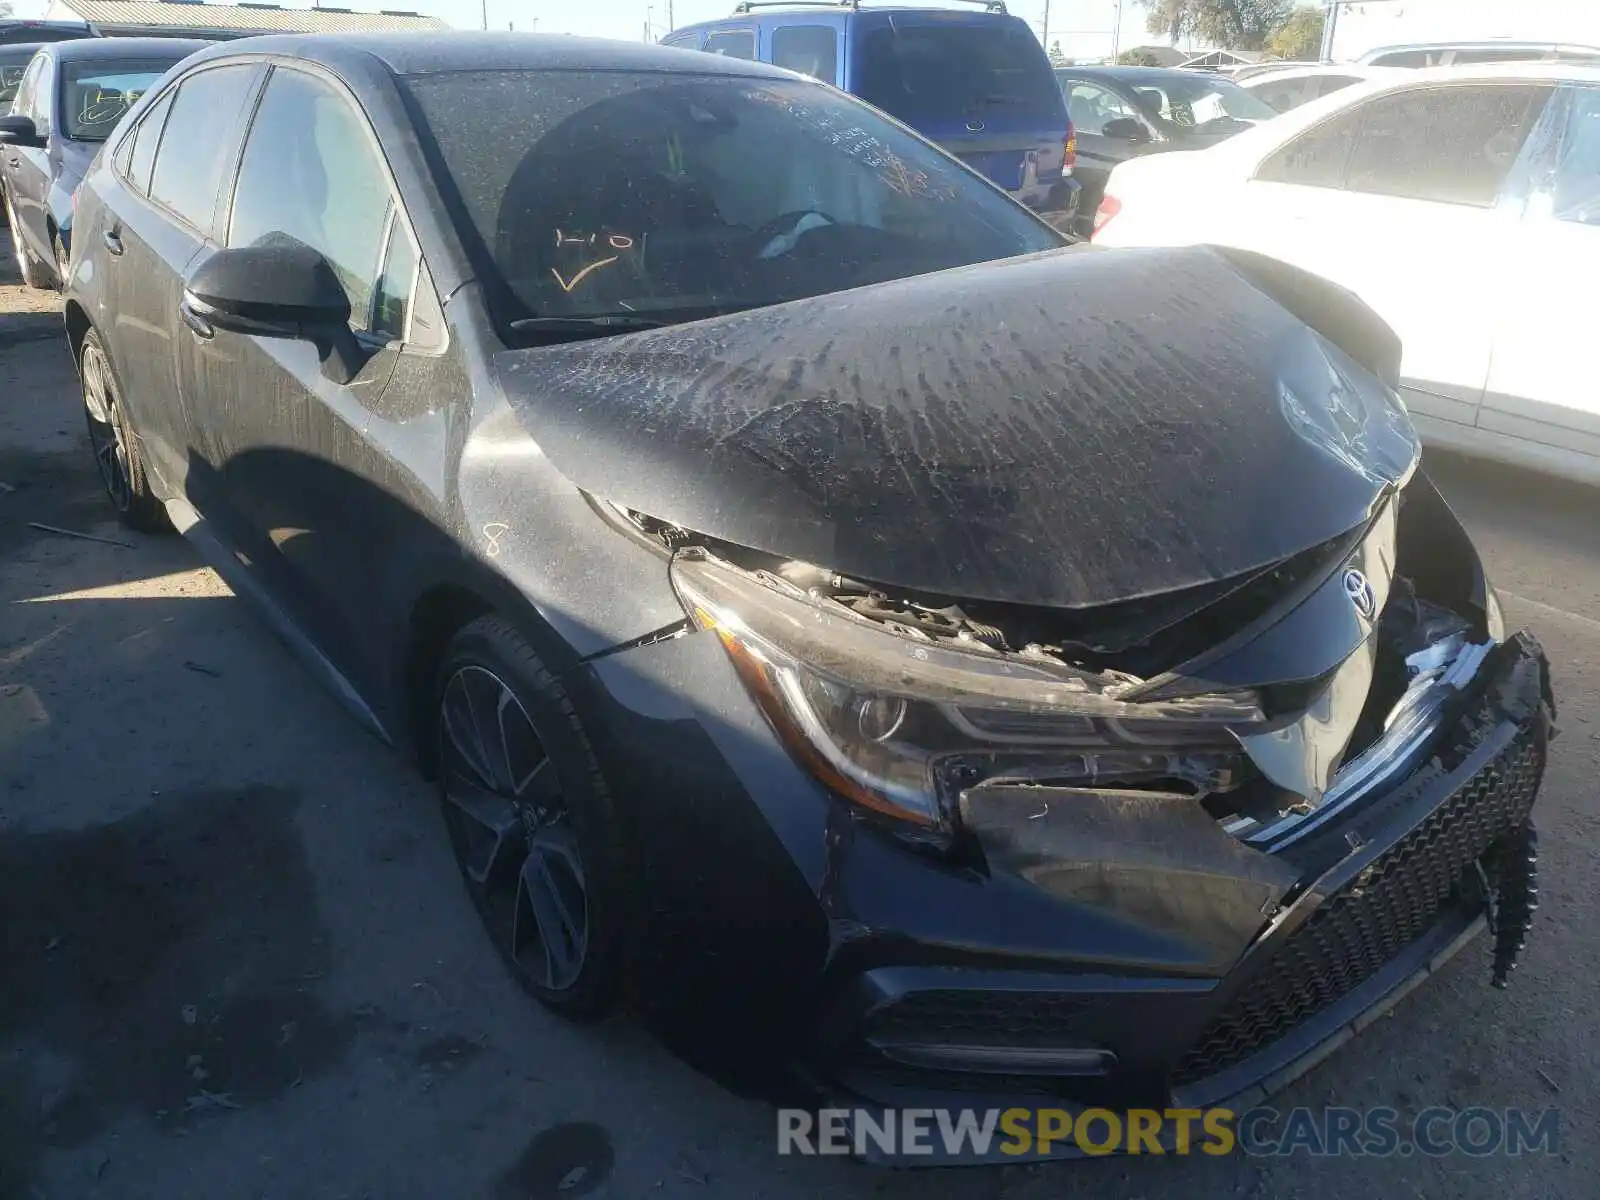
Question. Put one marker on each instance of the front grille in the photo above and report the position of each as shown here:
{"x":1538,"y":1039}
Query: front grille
{"x":1387,"y":907}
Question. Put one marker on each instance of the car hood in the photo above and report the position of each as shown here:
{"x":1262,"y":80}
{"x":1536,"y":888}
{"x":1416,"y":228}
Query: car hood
{"x":1067,"y":429}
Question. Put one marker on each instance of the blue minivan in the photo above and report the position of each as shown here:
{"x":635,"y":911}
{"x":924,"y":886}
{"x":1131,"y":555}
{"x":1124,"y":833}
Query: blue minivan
{"x":976,"y":82}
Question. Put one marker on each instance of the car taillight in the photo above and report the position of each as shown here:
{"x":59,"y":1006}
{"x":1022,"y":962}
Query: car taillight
{"x":1110,"y":206}
{"x":1069,"y":157}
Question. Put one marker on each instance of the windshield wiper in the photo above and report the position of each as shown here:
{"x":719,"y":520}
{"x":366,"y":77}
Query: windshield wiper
{"x":613,"y":323}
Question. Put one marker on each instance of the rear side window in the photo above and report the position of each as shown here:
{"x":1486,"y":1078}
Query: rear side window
{"x":810,"y":49}
{"x":1317,"y":157}
{"x":1284,"y":95}
{"x":734,"y":43}
{"x":1327,"y":85}
{"x":197,"y":147}
{"x":310,"y":173}
{"x":1452,"y":145}
{"x":938,"y":73}
{"x":146,"y":138}
{"x":1577,"y":183}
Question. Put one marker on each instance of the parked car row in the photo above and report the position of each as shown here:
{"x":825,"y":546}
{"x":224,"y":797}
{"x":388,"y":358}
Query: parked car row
{"x":1462,"y":204}
{"x":803,"y":573}
{"x":68,"y":100}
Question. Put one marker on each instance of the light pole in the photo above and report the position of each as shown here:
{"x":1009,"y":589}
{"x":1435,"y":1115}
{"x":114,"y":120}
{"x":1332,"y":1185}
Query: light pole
{"x":486,"y":16}
{"x":1116,"y":34}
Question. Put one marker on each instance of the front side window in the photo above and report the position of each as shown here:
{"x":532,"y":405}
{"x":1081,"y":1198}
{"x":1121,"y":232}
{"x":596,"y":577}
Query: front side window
{"x":676,"y":196}
{"x":311,"y":173}
{"x":810,"y":49}
{"x":734,"y":43}
{"x":197,"y":145}
{"x":1576,"y":195}
{"x":43,"y":94}
{"x":96,"y":95}
{"x":1452,"y":144}
{"x":1093,"y":107}
{"x":146,"y":138}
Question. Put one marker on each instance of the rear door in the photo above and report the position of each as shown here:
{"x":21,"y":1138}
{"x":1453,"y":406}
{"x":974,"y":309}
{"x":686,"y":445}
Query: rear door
{"x":980,"y":85}
{"x":283,"y":442}
{"x":811,"y":49}
{"x":1398,"y":198}
{"x":183,"y":146}
{"x":1542,"y":385}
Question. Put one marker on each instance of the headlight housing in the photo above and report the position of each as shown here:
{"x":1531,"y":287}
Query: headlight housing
{"x":900,"y":725}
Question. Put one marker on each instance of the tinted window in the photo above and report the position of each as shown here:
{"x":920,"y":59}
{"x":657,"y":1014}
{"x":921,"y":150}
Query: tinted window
{"x":1091,"y":106}
{"x":681,"y":195}
{"x":735,"y":43}
{"x":683,"y":41}
{"x":197,"y":147}
{"x":810,"y":49}
{"x":1282,"y":96}
{"x":924,"y":73}
{"x":395,"y":285}
{"x":96,"y":95}
{"x":1450,"y":144}
{"x":1327,"y":85}
{"x":1577,"y":183}
{"x":311,"y":173}
{"x":1405,"y":58}
{"x":145,"y":140}
{"x":1317,"y":157}
{"x":1460,"y":57}
{"x":1199,"y":100}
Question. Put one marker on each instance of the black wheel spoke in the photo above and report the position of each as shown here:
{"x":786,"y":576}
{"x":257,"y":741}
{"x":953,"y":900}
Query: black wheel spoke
{"x":494,"y":825}
{"x":550,"y":897}
{"x":461,"y":727}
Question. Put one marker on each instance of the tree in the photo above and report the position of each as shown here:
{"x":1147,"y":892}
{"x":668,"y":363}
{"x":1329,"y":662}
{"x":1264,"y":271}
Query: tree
{"x":1139,"y":57}
{"x":1300,"y":37}
{"x":1236,"y":24}
{"x":5,"y":8}
{"x":1058,"y":56}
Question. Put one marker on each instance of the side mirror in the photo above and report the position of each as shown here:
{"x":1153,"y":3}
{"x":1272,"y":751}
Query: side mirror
{"x":280,"y":289}
{"x":19,"y":131}
{"x":1125,"y":129}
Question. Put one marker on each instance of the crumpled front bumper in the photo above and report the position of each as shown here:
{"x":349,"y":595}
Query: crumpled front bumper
{"x":1379,"y":899}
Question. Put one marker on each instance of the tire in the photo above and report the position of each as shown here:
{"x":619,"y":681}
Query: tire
{"x":34,"y":274}
{"x":115,"y":445}
{"x":527,"y":812}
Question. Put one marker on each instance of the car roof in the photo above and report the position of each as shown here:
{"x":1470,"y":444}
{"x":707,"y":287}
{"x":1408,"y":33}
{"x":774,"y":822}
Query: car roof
{"x":1348,"y":70}
{"x":814,"y":8}
{"x":91,"y":49}
{"x":1486,"y":44}
{"x":433,"y":52}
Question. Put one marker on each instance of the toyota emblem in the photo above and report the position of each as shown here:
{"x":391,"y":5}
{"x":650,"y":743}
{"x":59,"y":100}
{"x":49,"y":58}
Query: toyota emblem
{"x":1359,"y":588}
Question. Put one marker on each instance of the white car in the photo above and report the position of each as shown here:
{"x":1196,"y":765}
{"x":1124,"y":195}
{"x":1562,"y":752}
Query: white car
{"x":1462,"y":204}
{"x":1288,"y":88}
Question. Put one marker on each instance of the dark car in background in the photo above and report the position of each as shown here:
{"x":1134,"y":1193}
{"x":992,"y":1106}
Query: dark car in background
{"x":70,"y":98}
{"x":804,"y":577}
{"x":14,"y":31}
{"x":1122,"y":112}
{"x":976,"y":82}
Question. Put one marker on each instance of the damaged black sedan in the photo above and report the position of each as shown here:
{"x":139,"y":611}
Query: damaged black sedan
{"x":844,"y":623}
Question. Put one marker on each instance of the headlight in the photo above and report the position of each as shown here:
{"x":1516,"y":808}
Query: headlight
{"x":901,"y":725}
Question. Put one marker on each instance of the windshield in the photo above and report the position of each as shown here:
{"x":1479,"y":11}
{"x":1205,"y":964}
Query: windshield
{"x":672,"y":197}
{"x":1204,"y":102}
{"x":96,"y":95}
{"x":927,"y":74}
{"x":10,"y":81}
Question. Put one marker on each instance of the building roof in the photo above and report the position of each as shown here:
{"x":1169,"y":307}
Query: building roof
{"x":1223,"y":58}
{"x":109,"y":15}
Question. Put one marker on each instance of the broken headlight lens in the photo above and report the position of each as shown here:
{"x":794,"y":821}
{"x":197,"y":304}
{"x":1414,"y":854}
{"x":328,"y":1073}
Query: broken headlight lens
{"x":900,"y":725}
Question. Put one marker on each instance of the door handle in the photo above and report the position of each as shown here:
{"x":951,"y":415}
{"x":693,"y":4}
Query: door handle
{"x":198,"y":325}
{"x":13,"y":162}
{"x":113,"y":241}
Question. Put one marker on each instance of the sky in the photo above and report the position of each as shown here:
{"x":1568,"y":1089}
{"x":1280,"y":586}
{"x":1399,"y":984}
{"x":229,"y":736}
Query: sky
{"x":1083,"y":27}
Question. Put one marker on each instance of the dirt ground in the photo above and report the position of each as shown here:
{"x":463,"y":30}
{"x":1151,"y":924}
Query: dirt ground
{"x":239,"y":963}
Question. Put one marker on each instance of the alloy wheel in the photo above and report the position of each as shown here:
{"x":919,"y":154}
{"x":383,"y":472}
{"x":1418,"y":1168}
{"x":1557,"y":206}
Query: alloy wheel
{"x":106,"y":433}
{"x":512,"y":830}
